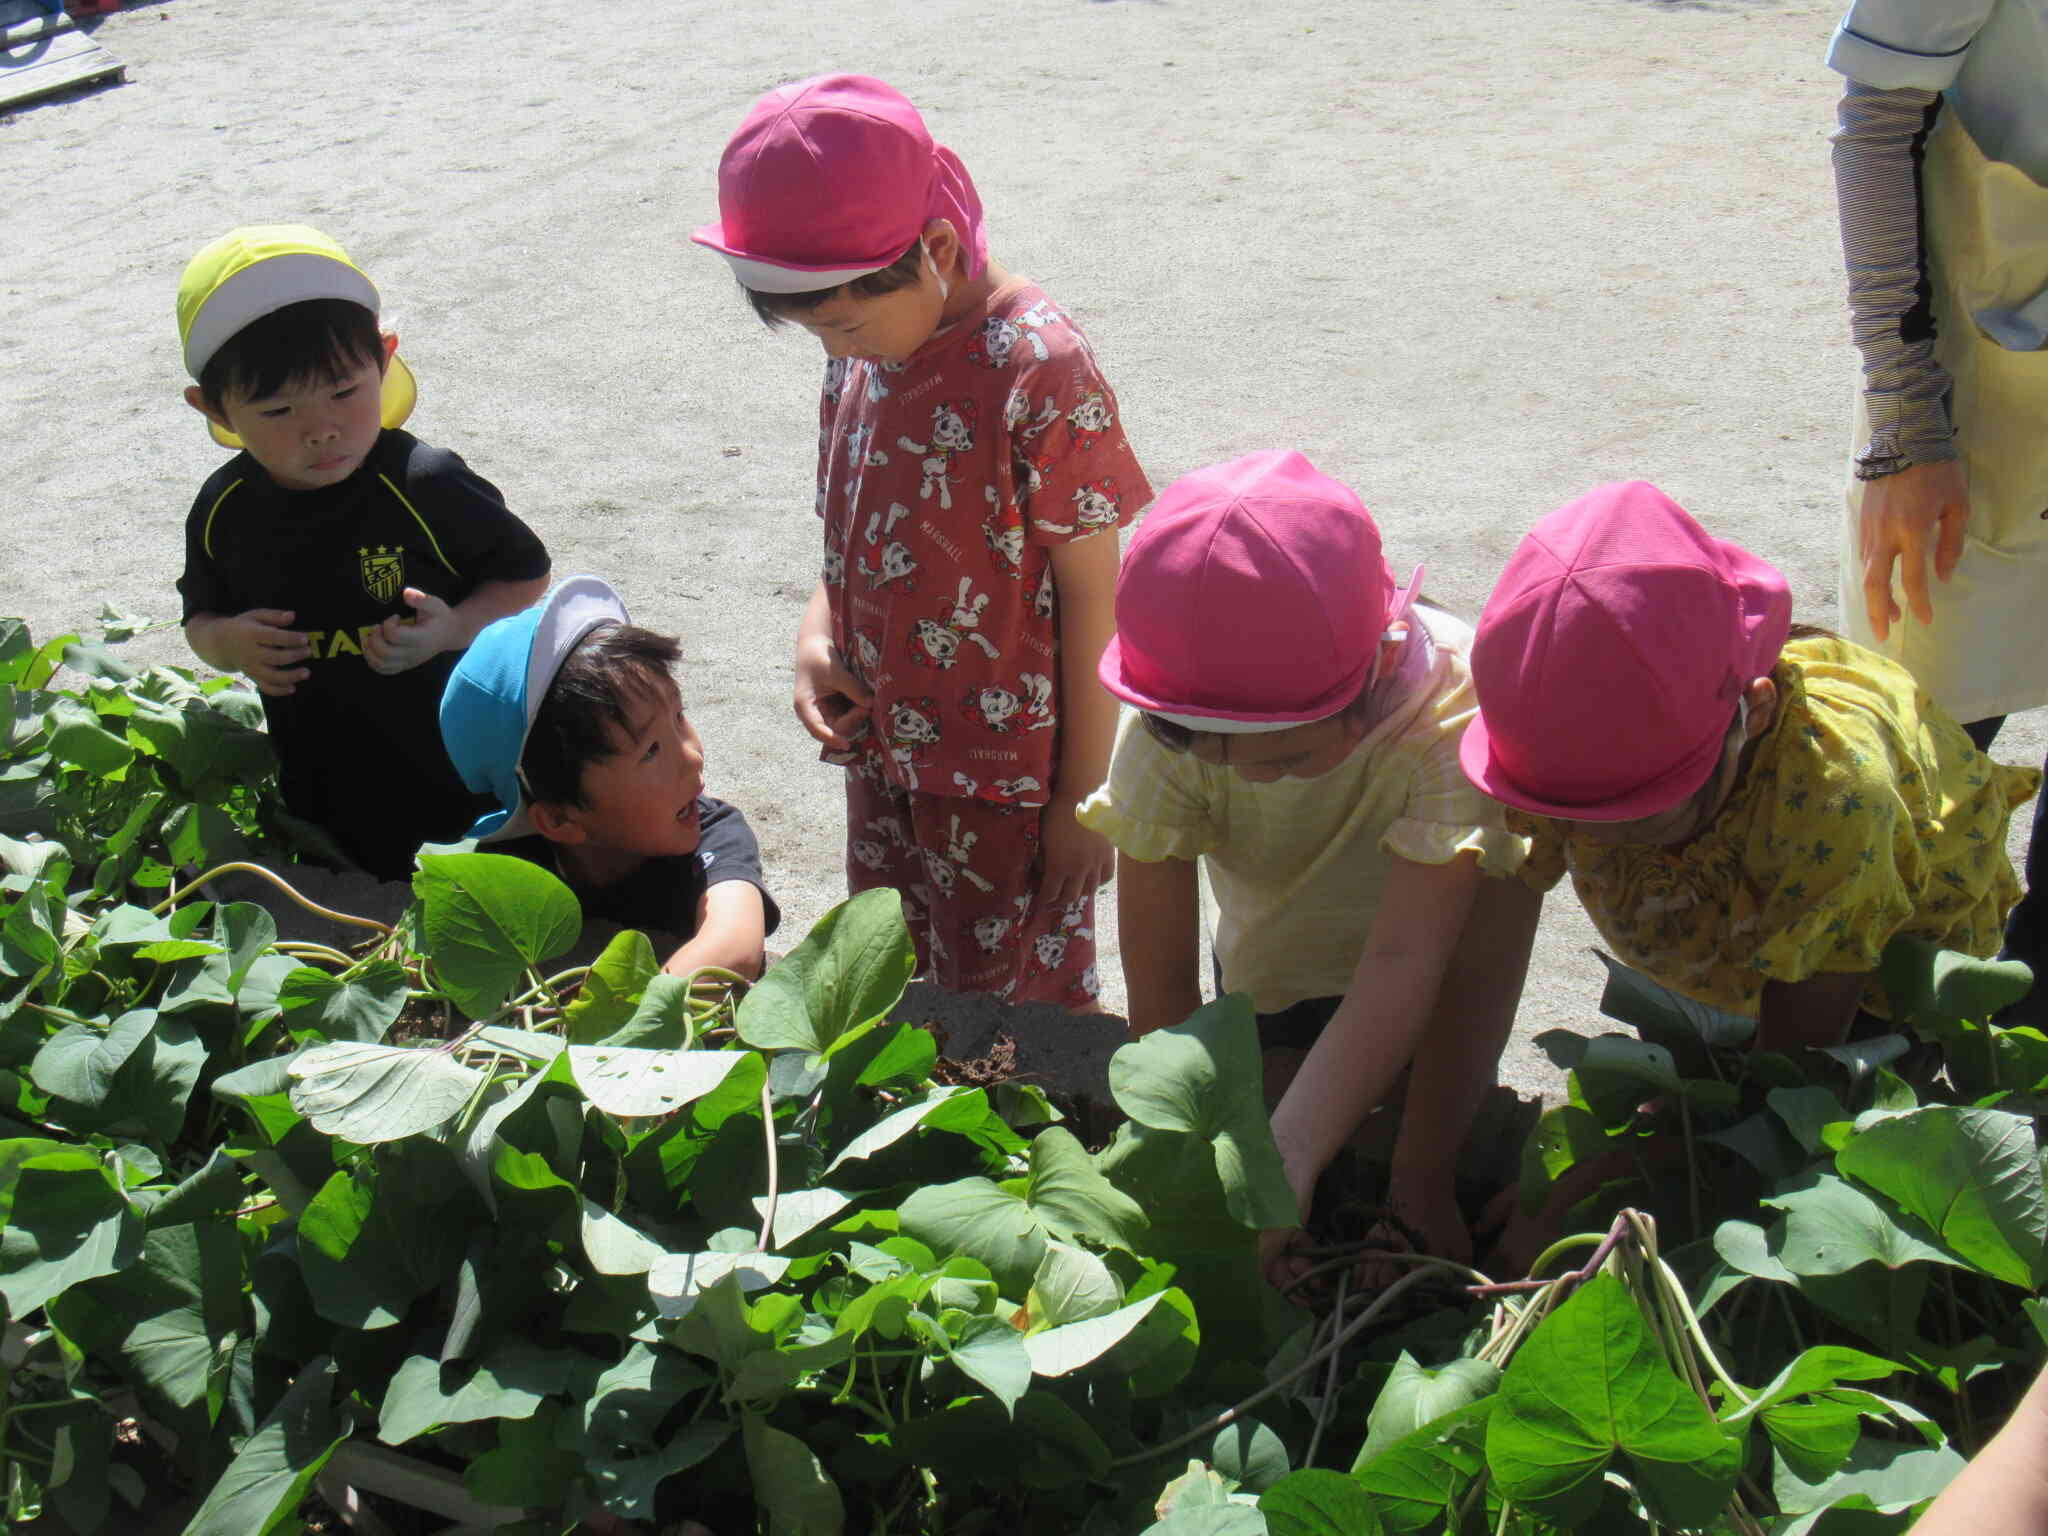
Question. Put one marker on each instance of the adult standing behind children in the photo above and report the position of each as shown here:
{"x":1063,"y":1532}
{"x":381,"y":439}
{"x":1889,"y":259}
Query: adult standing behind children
{"x":1941,"y":173}
{"x":336,"y":560}
{"x":972,"y":473}
{"x":1296,"y":728}
{"x":1749,"y":813}
{"x":569,"y":716}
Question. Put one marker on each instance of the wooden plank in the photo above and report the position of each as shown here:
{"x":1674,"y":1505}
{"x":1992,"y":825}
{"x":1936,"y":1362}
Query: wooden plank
{"x":24,"y":21}
{"x":62,"y":62}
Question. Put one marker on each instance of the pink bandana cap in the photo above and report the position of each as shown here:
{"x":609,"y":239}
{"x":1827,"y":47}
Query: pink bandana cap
{"x":1612,"y":655}
{"x":1254,"y":597}
{"x":830,"y":179}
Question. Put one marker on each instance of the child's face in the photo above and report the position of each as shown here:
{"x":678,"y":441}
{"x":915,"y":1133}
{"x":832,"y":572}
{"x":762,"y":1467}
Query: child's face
{"x":643,"y":798}
{"x":883,"y":328}
{"x":314,"y":432}
{"x":1694,"y":814}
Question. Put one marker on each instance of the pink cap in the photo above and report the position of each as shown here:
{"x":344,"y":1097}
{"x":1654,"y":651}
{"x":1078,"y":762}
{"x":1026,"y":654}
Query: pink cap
{"x":830,"y":179}
{"x":1252,"y":598}
{"x":1610,"y":657}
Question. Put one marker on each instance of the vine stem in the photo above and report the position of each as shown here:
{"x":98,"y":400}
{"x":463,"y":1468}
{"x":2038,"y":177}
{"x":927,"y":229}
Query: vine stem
{"x":774,"y":1171}
{"x":1692,"y":1164}
{"x":1602,"y":1247}
{"x":1966,"y":1421}
{"x":1301,"y":1368}
{"x":277,"y":880}
{"x":1563,"y":1246}
{"x":1689,"y":1320}
{"x":306,"y":949}
{"x":1464,"y":1509}
{"x":1315,"y":1441}
{"x":1354,"y":1256}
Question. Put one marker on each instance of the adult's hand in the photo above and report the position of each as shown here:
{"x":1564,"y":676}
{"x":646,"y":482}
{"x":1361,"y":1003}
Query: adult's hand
{"x":1908,"y":519}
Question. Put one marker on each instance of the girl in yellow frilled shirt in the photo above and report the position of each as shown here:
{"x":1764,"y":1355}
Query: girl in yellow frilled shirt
{"x":1748,"y":812}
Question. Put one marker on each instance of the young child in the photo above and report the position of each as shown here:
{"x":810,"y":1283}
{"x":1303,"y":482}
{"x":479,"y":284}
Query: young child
{"x":971,"y":477}
{"x":1749,"y":812}
{"x":1297,"y":734}
{"x":569,"y":717}
{"x":336,"y":560}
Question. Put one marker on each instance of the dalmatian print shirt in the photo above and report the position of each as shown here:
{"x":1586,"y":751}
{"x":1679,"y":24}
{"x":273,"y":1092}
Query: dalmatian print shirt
{"x":943,"y":483}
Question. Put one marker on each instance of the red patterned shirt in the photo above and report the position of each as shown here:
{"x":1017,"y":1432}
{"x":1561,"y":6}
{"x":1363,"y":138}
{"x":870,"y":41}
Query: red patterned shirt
{"x":943,"y":482}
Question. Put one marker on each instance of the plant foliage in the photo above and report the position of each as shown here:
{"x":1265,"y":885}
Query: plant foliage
{"x":609,"y":1244}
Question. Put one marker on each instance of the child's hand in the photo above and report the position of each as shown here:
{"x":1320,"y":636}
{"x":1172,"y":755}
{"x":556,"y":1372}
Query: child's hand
{"x":1284,"y":1265}
{"x":830,"y":701}
{"x":400,"y":644}
{"x":1076,"y":860}
{"x":258,"y":644}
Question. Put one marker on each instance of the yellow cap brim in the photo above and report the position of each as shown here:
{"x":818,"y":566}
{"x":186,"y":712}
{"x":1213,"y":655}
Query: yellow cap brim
{"x":401,"y":394}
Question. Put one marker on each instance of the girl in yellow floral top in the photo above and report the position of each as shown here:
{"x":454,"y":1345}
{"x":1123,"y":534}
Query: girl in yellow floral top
{"x":1748,"y":814}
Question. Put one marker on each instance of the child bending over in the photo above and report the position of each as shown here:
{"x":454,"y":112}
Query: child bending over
{"x":972,"y":474}
{"x":1749,"y":812}
{"x":1297,"y":734}
{"x":569,"y":717}
{"x":335,"y":560}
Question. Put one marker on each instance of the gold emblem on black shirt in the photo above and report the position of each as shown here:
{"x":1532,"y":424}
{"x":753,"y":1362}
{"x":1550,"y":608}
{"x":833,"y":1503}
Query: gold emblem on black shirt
{"x":383,"y":571}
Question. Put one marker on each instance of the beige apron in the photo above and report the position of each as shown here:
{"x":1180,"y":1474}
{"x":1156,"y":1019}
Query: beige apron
{"x":1987,"y":235}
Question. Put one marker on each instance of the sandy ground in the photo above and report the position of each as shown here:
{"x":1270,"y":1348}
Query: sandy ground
{"x":1471,"y":255}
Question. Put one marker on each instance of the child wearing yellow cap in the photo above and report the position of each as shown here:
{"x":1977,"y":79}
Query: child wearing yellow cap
{"x":338,"y":562}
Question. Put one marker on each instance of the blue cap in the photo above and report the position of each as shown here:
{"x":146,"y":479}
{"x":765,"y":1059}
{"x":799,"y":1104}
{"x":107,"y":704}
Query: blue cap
{"x":497,"y":687}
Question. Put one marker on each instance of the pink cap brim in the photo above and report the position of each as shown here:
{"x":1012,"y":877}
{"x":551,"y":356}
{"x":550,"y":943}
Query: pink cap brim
{"x":765,"y":276}
{"x":1239,"y":722}
{"x":1665,"y":792}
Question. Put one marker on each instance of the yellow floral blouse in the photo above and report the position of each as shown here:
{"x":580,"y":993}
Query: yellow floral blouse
{"x":1864,"y":813}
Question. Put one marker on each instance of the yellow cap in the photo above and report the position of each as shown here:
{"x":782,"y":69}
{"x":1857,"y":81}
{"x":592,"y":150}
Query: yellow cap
{"x":258,"y":269}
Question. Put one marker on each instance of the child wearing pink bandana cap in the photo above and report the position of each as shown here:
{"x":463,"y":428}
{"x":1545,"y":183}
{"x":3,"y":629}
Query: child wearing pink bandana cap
{"x":972,"y":474}
{"x":1294,"y":736}
{"x":1749,"y":811}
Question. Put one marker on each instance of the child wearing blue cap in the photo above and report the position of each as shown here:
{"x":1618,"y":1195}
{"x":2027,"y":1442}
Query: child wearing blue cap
{"x":569,"y":714}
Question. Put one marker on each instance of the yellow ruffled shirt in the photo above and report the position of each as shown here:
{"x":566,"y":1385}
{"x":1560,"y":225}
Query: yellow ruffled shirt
{"x":1296,"y":867}
{"x":1864,"y":813}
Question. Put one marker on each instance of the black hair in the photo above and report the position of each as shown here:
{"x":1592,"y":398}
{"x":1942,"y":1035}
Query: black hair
{"x":610,"y":670}
{"x":313,"y":339}
{"x":778,"y":308}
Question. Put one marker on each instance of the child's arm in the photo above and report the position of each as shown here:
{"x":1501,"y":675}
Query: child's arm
{"x":1818,"y":1011}
{"x":398,"y":645}
{"x":732,"y":928}
{"x":1158,"y":918}
{"x":1457,"y":1060}
{"x":830,"y":701}
{"x":2004,"y":1490}
{"x":1424,"y":919}
{"x":256,"y":643}
{"x":1077,"y":860}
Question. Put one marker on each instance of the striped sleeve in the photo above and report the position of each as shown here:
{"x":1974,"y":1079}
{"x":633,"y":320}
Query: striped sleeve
{"x":1876,"y":160}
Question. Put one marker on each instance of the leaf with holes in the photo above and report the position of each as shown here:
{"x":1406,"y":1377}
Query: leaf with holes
{"x":631,"y":1081}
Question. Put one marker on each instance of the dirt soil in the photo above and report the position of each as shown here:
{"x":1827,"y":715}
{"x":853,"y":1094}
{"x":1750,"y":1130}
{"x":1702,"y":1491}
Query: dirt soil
{"x":1473,"y":256}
